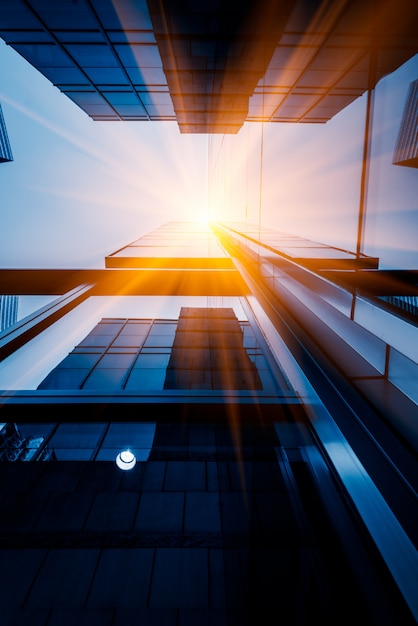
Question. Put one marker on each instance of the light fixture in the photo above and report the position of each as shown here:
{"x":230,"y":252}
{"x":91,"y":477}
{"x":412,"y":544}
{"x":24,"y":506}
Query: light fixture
{"x":126,"y":460}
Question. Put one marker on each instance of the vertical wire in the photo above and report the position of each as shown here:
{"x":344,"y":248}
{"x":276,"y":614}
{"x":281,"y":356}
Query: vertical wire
{"x":231,"y":160}
{"x":224,"y":163}
{"x":260,"y":195}
{"x":365,"y":170}
{"x":246,"y":178}
{"x":260,"y":198}
{"x":209,"y":199}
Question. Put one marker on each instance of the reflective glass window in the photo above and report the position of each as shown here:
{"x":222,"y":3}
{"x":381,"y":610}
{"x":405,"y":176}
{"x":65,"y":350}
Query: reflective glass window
{"x":152,"y":361}
{"x":146,"y":380}
{"x":92,"y":55}
{"x":96,"y":341}
{"x":79,"y":361}
{"x":138,"y":438}
{"x":105,"y":379}
{"x":64,"y":378}
{"x":115,"y":361}
{"x":74,"y":435}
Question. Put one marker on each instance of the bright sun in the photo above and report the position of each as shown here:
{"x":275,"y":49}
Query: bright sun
{"x":203,"y":215}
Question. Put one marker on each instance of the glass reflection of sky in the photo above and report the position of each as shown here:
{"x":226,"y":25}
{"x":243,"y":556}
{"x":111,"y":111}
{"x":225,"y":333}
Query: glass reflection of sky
{"x":26,"y":367}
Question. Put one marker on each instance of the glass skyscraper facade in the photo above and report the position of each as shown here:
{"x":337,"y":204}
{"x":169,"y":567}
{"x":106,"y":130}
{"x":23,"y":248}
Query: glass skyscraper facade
{"x":211,"y":68}
{"x":247,"y":388}
{"x":260,"y":386}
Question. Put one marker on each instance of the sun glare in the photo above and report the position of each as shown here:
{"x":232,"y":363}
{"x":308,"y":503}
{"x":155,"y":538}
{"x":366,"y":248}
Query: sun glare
{"x":203,"y":215}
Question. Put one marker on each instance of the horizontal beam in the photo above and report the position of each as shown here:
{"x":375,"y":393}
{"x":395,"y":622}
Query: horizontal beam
{"x":48,"y":407}
{"x":130,"y":282}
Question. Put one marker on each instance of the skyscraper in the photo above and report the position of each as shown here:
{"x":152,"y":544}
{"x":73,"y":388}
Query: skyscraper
{"x":240,"y":388}
{"x":211,"y":67}
{"x":220,"y":426}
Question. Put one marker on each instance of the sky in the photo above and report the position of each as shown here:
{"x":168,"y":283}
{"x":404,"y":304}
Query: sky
{"x":78,"y":190}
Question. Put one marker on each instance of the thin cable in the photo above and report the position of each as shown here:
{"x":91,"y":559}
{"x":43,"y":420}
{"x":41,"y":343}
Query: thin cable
{"x":209,"y":211}
{"x":231,"y":160}
{"x":260,"y":198}
{"x":246,"y":181}
{"x":217,"y":171}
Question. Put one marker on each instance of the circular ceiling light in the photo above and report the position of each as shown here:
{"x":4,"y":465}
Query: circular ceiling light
{"x":126,"y":460}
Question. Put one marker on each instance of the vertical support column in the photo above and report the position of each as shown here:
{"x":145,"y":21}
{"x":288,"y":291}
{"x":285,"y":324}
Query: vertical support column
{"x":367,"y":146}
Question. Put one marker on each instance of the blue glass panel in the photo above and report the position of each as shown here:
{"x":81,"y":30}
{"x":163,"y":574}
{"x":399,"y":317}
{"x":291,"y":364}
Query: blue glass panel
{"x":72,"y":454}
{"x":76,"y":88}
{"x":88,"y":350}
{"x":115,"y":16}
{"x":105,"y":379}
{"x":44,"y":55}
{"x":110,"y":454}
{"x":140,"y":55}
{"x":137,"y":327}
{"x":64,"y":379}
{"x":157,"y":340}
{"x":106,"y":76}
{"x":151,"y":361}
{"x":146,"y":76}
{"x":79,"y":361}
{"x":106,"y":328}
{"x":92,"y":55}
{"x":249,"y":342}
{"x":131,"y":111}
{"x":96,"y":340}
{"x":132,"y":37}
{"x":100,"y":111}
{"x":267,"y":381}
{"x":15,"y":36}
{"x":64,"y":14}
{"x":75,"y":36}
{"x":65,"y":76}
{"x":118,"y":97}
{"x":35,"y":430}
{"x":85,"y":435}
{"x":127,"y":341}
{"x":146,"y":380}
{"x":17,"y":15}
{"x":403,"y":372}
{"x":165,"y":328}
{"x":86,"y":97}
{"x":124,"y":435}
{"x":115,"y":361}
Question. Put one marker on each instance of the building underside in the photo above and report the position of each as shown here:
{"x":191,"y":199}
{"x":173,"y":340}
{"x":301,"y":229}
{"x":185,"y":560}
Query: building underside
{"x":212,"y":66}
{"x":273,"y":420}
